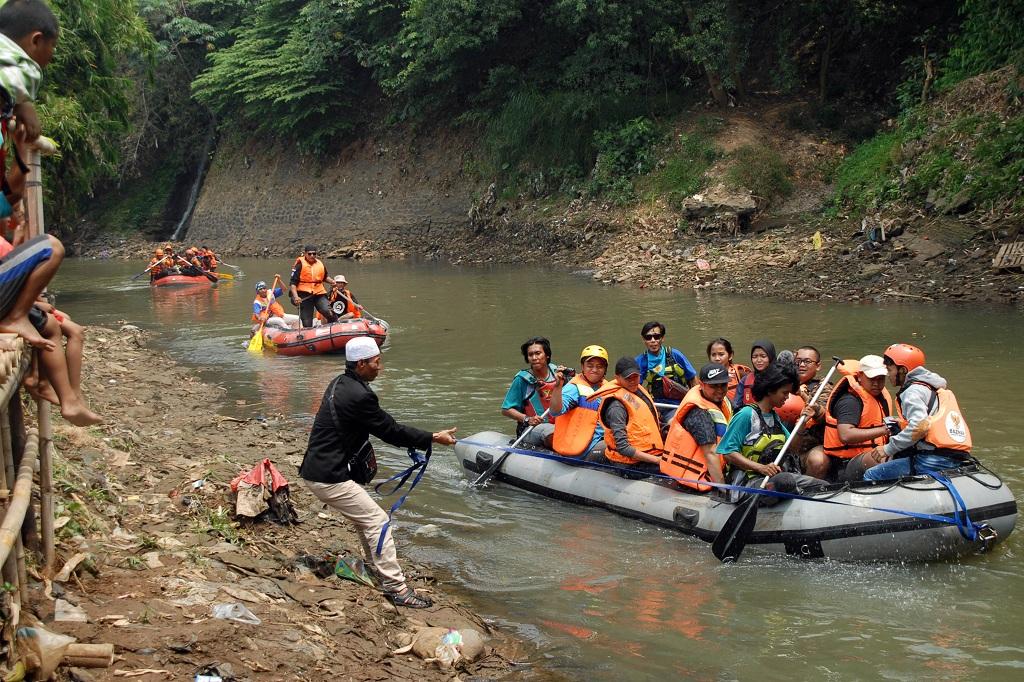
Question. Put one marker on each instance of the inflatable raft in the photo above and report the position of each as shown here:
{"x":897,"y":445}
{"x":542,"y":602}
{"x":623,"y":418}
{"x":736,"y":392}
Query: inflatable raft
{"x":181,"y":281}
{"x":328,"y":338}
{"x":858,"y":528}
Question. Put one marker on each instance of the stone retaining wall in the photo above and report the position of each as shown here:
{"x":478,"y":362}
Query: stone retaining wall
{"x":255,"y":198}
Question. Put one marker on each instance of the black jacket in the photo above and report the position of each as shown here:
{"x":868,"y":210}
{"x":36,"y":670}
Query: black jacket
{"x":359,"y":417}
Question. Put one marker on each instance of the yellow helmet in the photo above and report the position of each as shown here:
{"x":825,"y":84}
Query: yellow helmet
{"x":594,"y":352}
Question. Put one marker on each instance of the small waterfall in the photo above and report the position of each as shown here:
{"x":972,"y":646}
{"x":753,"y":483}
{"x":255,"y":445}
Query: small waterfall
{"x":193,"y":196}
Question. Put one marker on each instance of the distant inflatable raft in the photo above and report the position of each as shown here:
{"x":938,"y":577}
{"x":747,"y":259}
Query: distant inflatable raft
{"x":328,"y":338}
{"x":181,"y":281}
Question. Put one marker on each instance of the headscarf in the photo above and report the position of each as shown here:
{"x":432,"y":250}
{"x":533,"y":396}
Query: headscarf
{"x":767,"y":346}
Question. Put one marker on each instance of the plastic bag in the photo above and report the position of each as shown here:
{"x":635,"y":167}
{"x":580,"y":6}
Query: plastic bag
{"x":447,"y":652}
{"x":44,"y":650}
{"x":236,"y":612}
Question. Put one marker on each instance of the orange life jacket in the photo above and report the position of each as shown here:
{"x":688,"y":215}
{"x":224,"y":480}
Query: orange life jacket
{"x":947,"y":427}
{"x":870,"y":417}
{"x":575,"y":429}
{"x":643,"y":428}
{"x":736,"y":374}
{"x":683,"y":457}
{"x":311,"y":277}
{"x":157,"y":266}
{"x":276,"y":310}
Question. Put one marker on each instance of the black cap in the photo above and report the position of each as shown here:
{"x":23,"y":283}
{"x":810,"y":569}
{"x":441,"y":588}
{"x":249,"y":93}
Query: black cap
{"x":626,"y":367}
{"x":714,"y":373}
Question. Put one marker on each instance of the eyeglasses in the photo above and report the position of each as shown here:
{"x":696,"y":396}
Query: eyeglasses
{"x":806,"y":361}
{"x":311,"y":253}
{"x":653,"y":337}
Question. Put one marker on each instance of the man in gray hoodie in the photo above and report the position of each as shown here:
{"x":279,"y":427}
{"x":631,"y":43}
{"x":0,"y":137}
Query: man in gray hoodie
{"x":936,"y":436}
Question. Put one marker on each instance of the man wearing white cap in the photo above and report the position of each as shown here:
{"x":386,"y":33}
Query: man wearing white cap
{"x":339,"y":450}
{"x":343,"y":301}
{"x":859,"y":417}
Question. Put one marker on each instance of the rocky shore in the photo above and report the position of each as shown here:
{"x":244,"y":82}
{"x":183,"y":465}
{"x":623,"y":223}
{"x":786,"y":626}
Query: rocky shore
{"x":145,"y":519}
{"x":902,"y":255}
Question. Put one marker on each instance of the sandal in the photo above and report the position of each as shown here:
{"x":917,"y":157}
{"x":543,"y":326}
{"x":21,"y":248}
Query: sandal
{"x":408,"y":598}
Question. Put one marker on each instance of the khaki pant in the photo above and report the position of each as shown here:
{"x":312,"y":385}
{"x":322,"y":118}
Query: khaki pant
{"x":356,"y":505}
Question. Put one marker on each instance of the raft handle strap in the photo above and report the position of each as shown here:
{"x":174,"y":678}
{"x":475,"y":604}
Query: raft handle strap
{"x":419,"y":466}
{"x":974,"y":532}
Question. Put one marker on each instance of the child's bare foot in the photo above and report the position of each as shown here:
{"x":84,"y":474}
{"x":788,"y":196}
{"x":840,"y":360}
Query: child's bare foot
{"x":41,"y":390}
{"x":23,"y":328}
{"x":79,"y":415}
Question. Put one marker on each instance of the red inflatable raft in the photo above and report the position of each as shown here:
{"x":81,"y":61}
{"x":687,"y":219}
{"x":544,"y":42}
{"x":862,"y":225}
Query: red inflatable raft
{"x":180,"y":281}
{"x":328,"y":338}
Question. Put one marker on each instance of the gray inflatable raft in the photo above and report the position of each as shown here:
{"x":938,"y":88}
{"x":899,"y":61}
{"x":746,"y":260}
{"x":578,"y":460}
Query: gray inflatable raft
{"x":805,"y":528}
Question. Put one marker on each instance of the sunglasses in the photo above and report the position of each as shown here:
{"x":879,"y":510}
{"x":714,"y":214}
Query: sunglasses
{"x":654,"y":337}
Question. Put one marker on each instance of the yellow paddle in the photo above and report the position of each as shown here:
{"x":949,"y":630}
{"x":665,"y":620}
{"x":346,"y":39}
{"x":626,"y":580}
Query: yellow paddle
{"x":224,"y":275}
{"x":256,"y":342}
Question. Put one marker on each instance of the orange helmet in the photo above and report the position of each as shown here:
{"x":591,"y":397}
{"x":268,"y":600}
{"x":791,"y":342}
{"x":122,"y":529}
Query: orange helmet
{"x":905,"y":355}
{"x":791,"y":409}
{"x":158,"y":252}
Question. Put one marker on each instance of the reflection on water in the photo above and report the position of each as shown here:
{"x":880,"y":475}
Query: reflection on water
{"x":606,"y":597}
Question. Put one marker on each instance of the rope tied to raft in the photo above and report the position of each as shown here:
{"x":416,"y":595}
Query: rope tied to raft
{"x":419,"y":466}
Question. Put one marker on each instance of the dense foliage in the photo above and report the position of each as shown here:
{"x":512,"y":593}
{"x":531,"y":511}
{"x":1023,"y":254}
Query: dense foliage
{"x":570,"y":92}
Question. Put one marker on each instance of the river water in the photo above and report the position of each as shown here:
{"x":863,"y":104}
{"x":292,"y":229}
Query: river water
{"x":604,"y":597}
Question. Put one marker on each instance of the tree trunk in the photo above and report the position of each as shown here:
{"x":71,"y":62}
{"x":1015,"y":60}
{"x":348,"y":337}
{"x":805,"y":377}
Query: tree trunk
{"x":826,"y":53}
{"x":714,"y":80}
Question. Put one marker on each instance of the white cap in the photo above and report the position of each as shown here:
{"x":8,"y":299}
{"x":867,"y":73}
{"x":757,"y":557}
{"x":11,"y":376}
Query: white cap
{"x":872,"y":366}
{"x":361,"y":348}
{"x":341,"y":278}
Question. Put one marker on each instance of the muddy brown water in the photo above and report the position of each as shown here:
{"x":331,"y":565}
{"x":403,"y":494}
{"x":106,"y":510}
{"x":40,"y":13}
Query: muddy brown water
{"x":604,"y":597}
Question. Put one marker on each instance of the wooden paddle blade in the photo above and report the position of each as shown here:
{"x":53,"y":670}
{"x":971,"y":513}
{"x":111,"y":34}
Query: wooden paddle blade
{"x":733,"y":537}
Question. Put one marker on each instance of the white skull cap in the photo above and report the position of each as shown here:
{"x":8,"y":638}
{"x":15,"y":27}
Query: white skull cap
{"x":361,"y":348}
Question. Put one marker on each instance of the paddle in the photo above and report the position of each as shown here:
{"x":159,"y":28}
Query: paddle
{"x":731,"y":540}
{"x":209,"y":275}
{"x":491,"y":470}
{"x":148,"y":269}
{"x":256,"y":342}
{"x":224,"y":275}
{"x":233,"y":267}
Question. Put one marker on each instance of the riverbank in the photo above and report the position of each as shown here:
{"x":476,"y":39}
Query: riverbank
{"x":145,"y":497}
{"x":931,"y":259}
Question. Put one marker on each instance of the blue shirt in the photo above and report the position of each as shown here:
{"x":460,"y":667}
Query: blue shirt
{"x":257,"y":308}
{"x":745,"y":429}
{"x":647,"y":362}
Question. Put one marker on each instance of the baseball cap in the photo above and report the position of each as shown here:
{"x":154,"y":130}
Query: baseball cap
{"x":361,"y":348}
{"x":714,"y":373}
{"x":872,"y":366}
{"x":626,"y":367}
{"x":341,"y":278}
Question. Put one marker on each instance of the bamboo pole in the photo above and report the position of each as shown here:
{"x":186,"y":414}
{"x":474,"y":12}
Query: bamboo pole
{"x":10,"y":529}
{"x":10,"y":570}
{"x":36,"y":225}
{"x":46,"y":504}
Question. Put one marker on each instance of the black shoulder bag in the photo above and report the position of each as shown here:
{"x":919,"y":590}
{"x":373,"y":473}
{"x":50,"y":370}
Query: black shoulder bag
{"x":362,"y":466}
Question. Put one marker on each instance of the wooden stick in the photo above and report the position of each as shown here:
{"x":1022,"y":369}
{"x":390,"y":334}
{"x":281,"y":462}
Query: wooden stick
{"x":46,"y":504}
{"x":10,"y":569}
{"x":10,"y":529}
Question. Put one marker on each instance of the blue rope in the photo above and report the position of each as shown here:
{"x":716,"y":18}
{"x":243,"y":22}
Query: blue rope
{"x":419,"y":466}
{"x":970,"y":534}
{"x":969,"y":529}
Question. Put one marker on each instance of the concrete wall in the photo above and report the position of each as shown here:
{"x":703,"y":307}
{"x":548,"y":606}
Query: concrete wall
{"x":255,"y":197}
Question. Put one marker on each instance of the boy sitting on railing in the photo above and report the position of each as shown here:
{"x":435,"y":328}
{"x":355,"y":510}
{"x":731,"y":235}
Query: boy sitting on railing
{"x":28,"y":37}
